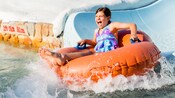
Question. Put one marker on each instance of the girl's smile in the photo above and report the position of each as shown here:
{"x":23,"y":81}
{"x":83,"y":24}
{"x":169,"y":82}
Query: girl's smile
{"x":101,"y":19}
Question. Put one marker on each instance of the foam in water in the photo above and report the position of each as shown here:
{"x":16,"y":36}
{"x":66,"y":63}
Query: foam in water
{"x":151,"y":80}
{"x":173,"y":53}
{"x":40,"y":82}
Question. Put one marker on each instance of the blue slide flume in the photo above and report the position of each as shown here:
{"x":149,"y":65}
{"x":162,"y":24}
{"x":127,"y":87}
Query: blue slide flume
{"x":156,"y":19}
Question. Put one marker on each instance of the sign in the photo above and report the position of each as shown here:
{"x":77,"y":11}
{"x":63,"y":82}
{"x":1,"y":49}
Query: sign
{"x":14,"y":28}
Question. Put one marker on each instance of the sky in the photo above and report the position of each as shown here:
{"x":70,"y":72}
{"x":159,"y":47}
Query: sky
{"x":54,"y":11}
{"x":41,"y":10}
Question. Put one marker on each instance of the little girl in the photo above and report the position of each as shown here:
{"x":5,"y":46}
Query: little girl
{"x":105,"y":39}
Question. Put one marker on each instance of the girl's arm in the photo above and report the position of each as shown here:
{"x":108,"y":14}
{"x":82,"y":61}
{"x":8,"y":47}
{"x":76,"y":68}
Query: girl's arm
{"x":117,"y":26}
{"x":91,"y":42}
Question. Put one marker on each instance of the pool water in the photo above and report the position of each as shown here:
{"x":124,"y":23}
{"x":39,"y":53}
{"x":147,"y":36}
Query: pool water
{"x":23,"y":74}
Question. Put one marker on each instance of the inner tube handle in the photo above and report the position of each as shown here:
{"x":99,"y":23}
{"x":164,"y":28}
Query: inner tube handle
{"x":80,"y":47}
{"x":133,"y":41}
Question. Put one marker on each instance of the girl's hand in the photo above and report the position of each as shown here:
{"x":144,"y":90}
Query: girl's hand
{"x":82,"y":42}
{"x":134,"y":37}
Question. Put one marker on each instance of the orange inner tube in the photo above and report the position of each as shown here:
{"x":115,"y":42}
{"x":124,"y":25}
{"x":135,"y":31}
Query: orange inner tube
{"x":127,"y":60}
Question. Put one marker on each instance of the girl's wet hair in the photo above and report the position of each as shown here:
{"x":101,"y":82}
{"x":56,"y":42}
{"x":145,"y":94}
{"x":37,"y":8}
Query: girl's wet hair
{"x":106,"y":11}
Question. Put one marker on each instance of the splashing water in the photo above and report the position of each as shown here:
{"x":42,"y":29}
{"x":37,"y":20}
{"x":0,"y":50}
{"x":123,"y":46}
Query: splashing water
{"x":155,"y":78}
{"x":24,"y":75}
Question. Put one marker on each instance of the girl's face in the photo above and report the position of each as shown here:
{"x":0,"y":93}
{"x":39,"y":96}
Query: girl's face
{"x":101,"y":20}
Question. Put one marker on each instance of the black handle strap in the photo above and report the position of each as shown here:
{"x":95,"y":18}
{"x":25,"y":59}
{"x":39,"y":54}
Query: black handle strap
{"x":80,"y":47}
{"x":133,"y":40}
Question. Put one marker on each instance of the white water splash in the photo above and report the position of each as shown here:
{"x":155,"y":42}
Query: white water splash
{"x":41,"y":81}
{"x":150,"y":80}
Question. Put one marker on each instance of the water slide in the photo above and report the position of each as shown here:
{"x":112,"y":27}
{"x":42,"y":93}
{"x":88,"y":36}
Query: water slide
{"x":156,"y":19}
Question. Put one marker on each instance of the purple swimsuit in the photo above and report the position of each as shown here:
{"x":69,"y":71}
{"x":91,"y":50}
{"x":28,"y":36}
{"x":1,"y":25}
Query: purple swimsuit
{"x":106,"y":41}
